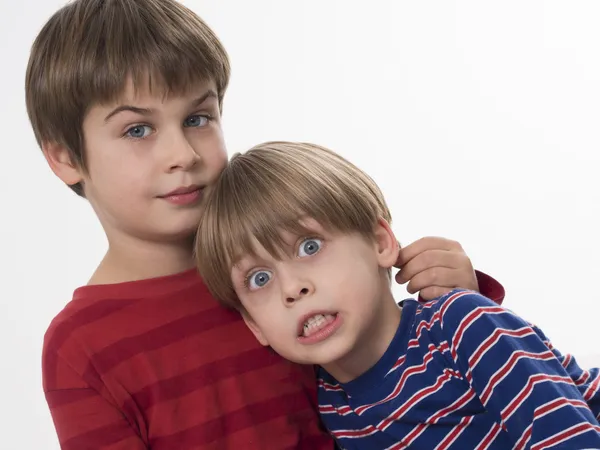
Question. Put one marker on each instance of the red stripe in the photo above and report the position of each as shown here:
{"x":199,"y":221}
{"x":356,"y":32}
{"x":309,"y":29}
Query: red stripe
{"x":63,"y":397}
{"x":120,"y":433}
{"x":454,"y":433}
{"x":61,"y":331}
{"x":589,"y":393}
{"x":493,"y":339}
{"x":565,"y":435}
{"x":583,"y":378}
{"x":414,"y":434}
{"x":489,"y":438}
{"x":463,"y":400}
{"x":417,"y":397}
{"x":253,"y":416}
{"x":156,"y":338}
{"x":507,"y":368}
{"x":542,"y":411}
{"x":329,"y":387}
{"x":427,"y":325}
{"x":468,"y":320}
{"x":413,"y":370}
{"x":345,"y":434}
{"x":524,"y":394}
{"x":202,"y":377}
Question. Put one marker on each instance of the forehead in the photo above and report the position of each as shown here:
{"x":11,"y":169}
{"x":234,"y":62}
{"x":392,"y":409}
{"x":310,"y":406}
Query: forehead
{"x":148,"y":93}
{"x":148,"y":88}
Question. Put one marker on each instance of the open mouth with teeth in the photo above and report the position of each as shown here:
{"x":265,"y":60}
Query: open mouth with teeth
{"x":316,"y":323}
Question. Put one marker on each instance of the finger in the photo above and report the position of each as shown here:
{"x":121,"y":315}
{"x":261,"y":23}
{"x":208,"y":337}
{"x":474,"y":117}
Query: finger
{"x":431,"y":292}
{"x":442,"y":277}
{"x":429,"y":259}
{"x":427,"y":243}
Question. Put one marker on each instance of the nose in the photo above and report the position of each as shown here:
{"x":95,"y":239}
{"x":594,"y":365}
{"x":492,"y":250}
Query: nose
{"x":296,"y":288}
{"x":181,"y":154}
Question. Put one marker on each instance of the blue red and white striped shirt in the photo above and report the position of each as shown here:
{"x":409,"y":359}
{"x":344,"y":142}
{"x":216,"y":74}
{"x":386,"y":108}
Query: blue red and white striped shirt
{"x":465,"y":373}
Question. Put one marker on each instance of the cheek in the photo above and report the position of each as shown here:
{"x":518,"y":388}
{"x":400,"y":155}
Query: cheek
{"x":126,"y":181}
{"x":266,"y":313}
{"x":119,"y":186}
{"x":210,"y":147}
{"x":216,"y":159}
{"x":119,"y":165}
{"x":355,"y":277}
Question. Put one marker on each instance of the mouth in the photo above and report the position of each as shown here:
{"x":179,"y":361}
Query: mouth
{"x":183,"y":190}
{"x":313,"y":323}
{"x":184,"y":195}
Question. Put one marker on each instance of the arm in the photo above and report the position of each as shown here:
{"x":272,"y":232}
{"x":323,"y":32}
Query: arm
{"x":83,"y":418}
{"x":433,"y":266}
{"x":488,"y":287}
{"x":516,"y":376}
{"x":587,"y":381}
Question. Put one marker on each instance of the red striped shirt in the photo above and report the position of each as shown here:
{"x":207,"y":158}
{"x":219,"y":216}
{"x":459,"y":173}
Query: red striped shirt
{"x":158,"y":364}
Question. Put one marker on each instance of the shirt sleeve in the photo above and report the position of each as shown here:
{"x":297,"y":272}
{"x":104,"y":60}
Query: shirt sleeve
{"x":489,"y":287}
{"x":83,"y":418}
{"x":518,"y":376}
{"x":587,"y":381}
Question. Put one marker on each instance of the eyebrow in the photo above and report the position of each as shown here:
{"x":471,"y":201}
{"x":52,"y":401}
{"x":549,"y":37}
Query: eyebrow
{"x":148,"y":111}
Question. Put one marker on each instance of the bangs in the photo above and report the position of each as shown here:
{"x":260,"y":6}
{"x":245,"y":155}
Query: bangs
{"x":88,"y":51}
{"x":266,"y":231}
{"x":164,"y":50}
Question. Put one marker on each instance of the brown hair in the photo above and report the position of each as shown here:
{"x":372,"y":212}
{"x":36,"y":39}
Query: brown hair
{"x":87,"y":50}
{"x":269,"y":189}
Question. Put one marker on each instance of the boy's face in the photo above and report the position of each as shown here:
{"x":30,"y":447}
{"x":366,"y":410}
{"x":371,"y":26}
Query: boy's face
{"x":323,"y":301}
{"x":150,"y":159}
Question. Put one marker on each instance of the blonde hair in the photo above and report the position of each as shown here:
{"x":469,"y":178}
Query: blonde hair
{"x":88,"y":49}
{"x":270,"y":188}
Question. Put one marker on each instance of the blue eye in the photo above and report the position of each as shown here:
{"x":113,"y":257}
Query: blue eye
{"x":138,"y":131}
{"x":309,"y":247}
{"x":195,"y":121}
{"x":258,"y":279}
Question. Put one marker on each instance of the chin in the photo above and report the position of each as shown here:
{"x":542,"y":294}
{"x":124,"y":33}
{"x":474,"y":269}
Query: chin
{"x":175,"y":233}
{"x":185,"y":227}
{"x":322,"y":356}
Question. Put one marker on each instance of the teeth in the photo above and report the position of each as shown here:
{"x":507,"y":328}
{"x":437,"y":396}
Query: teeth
{"x":313,"y":320}
{"x":315,"y":323}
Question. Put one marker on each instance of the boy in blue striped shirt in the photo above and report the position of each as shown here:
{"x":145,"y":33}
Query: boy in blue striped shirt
{"x":299,"y":241}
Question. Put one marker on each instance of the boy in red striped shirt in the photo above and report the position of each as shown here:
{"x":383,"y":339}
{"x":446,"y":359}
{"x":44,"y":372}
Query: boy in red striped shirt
{"x":125,"y":99}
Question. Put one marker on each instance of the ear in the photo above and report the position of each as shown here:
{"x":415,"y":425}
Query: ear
{"x":255,"y":330}
{"x":61,"y":163}
{"x":387,"y":245}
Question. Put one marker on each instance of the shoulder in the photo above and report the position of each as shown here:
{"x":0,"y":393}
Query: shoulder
{"x":64,"y":358}
{"x":66,"y":324}
{"x":460,"y":303}
{"x":459,"y":310}
{"x":468,"y":318}
{"x":100,"y":314}
{"x":73,"y":333}
{"x":92,"y":321}
{"x":452,"y":306}
{"x":80,"y":316}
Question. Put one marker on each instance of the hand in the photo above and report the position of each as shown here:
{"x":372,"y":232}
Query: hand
{"x":434,"y":266}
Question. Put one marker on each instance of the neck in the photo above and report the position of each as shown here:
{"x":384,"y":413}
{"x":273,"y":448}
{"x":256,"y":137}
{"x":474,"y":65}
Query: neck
{"x":372,"y":345}
{"x":132,"y":259}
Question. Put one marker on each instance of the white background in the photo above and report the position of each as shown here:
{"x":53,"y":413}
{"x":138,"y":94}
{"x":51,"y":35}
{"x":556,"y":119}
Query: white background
{"x":478,"y":119}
